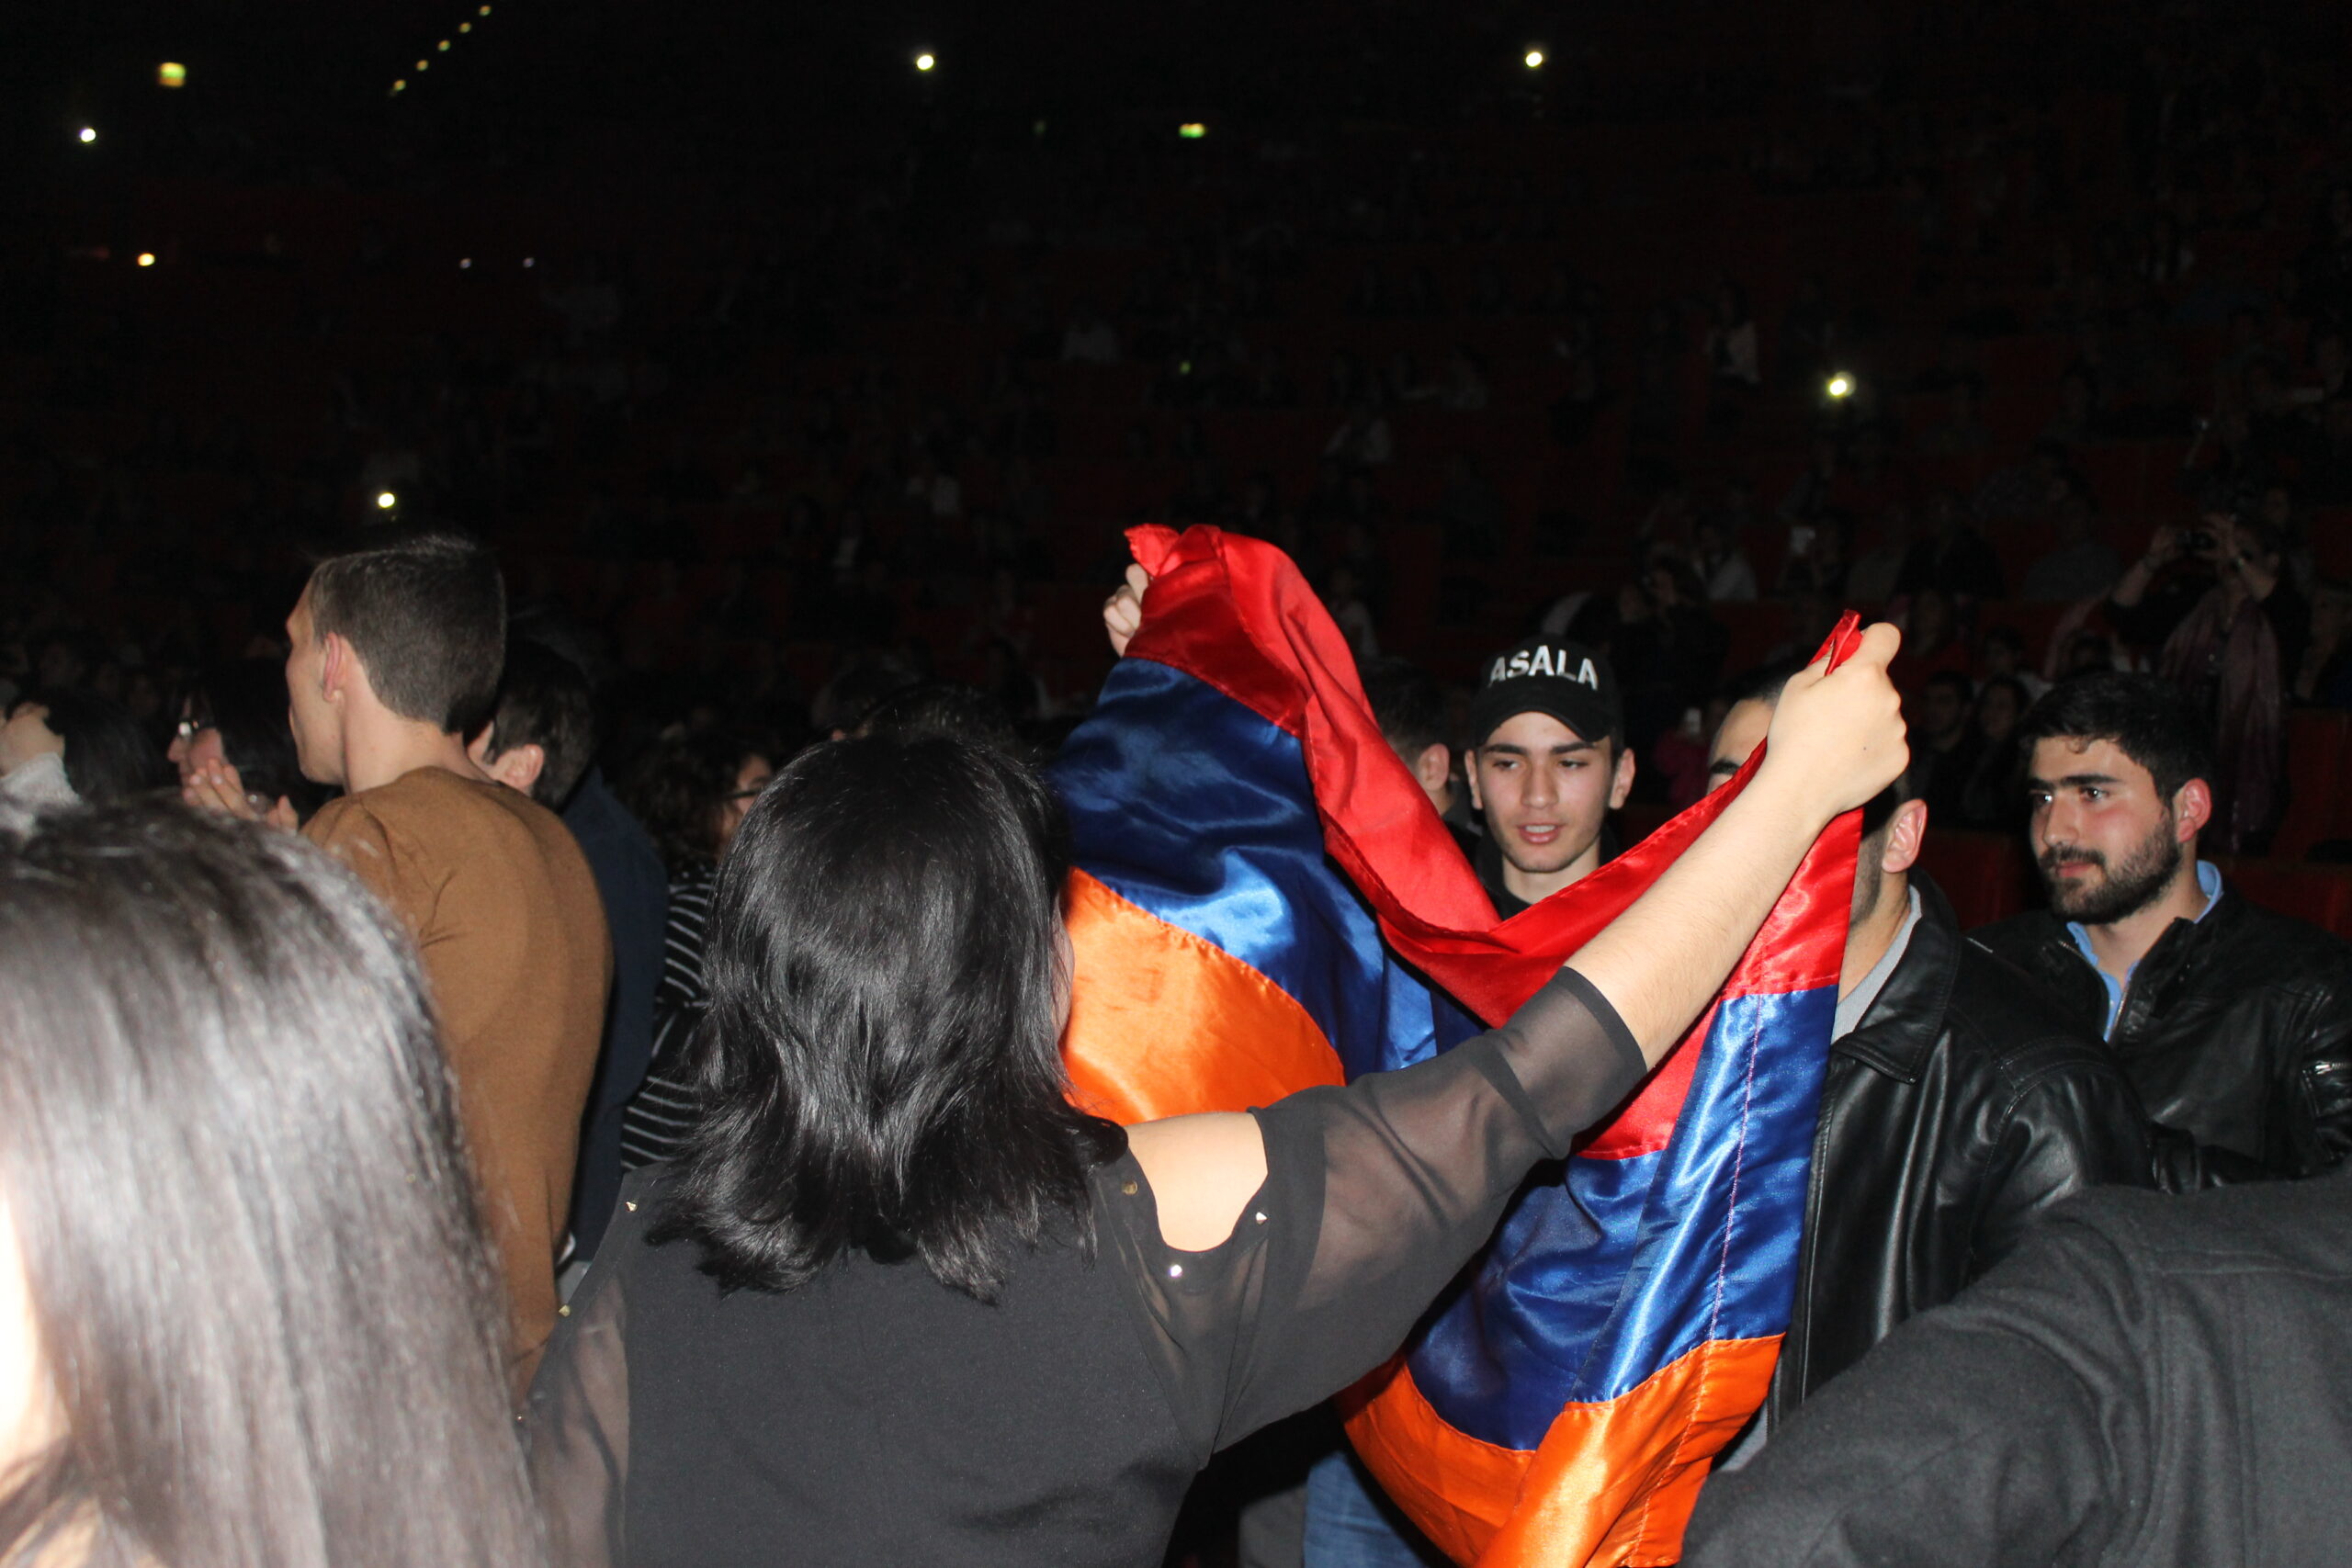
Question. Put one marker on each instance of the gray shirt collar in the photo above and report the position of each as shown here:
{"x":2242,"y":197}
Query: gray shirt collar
{"x":1852,"y":1007}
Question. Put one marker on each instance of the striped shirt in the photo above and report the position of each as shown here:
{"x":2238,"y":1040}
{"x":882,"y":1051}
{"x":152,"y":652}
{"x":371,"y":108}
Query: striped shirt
{"x":663,"y":1112}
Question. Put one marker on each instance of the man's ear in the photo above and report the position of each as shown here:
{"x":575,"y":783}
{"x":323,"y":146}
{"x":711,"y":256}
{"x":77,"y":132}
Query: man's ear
{"x":1622,"y":784}
{"x":337,"y":664}
{"x":1433,"y":766}
{"x":1906,"y":832}
{"x":517,"y":767}
{"x":2192,"y":808}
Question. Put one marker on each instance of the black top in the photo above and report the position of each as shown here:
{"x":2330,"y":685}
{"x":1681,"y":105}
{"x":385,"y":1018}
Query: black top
{"x":629,"y":878}
{"x":1954,"y":1114}
{"x":1486,"y":861}
{"x":2236,"y":1030}
{"x":2149,"y":1380}
{"x":877,"y":1416}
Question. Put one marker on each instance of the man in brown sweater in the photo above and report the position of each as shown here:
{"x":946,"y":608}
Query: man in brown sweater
{"x":396,"y":654}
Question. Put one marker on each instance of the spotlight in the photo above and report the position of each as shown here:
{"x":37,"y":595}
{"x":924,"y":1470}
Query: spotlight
{"x":401,"y":86}
{"x":925,"y":61}
{"x":146,"y":258}
{"x":1192,"y":130}
{"x":386,"y":500}
{"x":465,"y":27}
{"x":1840,"y":386}
{"x":1534,"y":59}
{"x":465,"y":263}
{"x":85,"y":135}
{"x":443,"y":46}
{"x":530,"y":260}
{"x":485,"y":11}
{"x":171,"y":73}
{"x":424,"y":65}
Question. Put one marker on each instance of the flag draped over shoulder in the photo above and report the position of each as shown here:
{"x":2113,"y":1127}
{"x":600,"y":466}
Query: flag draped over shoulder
{"x":1264,"y":902}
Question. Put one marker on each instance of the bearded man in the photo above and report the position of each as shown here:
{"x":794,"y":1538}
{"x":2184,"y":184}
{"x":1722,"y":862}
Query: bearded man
{"x":2234,"y":1022}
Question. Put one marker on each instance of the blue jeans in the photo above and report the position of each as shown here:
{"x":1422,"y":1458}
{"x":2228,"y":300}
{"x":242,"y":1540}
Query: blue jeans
{"x":1351,"y":1523}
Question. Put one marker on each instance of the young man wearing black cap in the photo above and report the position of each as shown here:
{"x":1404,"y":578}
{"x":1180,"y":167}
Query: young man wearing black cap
{"x":1547,"y":765}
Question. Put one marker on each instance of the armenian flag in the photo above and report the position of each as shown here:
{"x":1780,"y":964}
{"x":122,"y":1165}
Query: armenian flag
{"x":1264,"y":901}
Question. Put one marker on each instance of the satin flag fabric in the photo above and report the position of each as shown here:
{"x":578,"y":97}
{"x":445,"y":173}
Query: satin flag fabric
{"x":1265,"y":901}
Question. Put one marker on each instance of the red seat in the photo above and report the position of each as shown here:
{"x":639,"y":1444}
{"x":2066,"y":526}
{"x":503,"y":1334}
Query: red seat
{"x":1987,"y":876}
{"x":2317,"y":741}
{"x":2320,"y":894}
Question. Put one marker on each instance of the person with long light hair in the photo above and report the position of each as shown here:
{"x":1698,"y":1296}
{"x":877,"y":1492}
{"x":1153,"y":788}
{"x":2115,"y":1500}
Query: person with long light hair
{"x":248,"y":1316}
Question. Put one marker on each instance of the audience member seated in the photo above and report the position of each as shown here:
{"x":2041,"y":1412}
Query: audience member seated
{"x":1994,"y":795}
{"x":542,"y":741}
{"x":1953,"y":557}
{"x":692,"y":794}
{"x":68,"y":745}
{"x":395,"y":659}
{"x":2234,"y":1022}
{"x":1957,"y":1108}
{"x":1877,"y":571}
{"x":1411,"y":708}
{"x":251,"y":1315}
{"x":2078,"y":565}
{"x":2231,"y":631}
{"x":2325,"y":678}
{"x":1933,"y":643}
{"x":1946,"y":748}
{"x":2151,"y":1380}
{"x":1667,"y":651}
{"x":2002,"y":653}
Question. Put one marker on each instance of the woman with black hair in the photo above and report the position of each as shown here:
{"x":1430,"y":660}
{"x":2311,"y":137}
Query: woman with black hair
{"x":898,"y":1301}
{"x":247,"y":1312}
{"x":73,"y":745}
{"x":691,"y":794}
{"x":237,"y":715}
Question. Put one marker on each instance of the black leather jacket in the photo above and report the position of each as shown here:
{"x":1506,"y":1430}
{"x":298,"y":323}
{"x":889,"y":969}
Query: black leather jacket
{"x":2237,"y":1030}
{"x":1956,"y":1112}
{"x":2151,"y":1381}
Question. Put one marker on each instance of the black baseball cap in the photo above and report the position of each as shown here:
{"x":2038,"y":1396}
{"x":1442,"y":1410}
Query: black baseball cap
{"x":1550,"y":675}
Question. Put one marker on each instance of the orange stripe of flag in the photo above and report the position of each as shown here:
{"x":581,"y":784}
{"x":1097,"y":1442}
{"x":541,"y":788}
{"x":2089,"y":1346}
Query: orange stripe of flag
{"x":1163,"y":1022}
{"x":1572,"y":1500}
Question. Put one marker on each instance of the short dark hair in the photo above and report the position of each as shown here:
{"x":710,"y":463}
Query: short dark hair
{"x":427,"y":616}
{"x":1409,"y":704}
{"x":880,"y":1069}
{"x":544,"y":701}
{"x":245,"y":701}
{"x":942,"y":708}
{"x":1765,"y":682}
{"x":2145,"y":715}
{"x":229,"y":1124}
{"x":108,"y":756}
{"x":843,"y":702}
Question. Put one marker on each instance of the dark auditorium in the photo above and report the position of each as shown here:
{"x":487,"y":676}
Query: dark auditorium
{"x":1382,"y":785}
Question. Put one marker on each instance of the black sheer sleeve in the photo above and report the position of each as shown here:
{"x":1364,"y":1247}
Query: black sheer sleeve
{"x":1375,"y":1195}
{"x":576,"y":1425}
